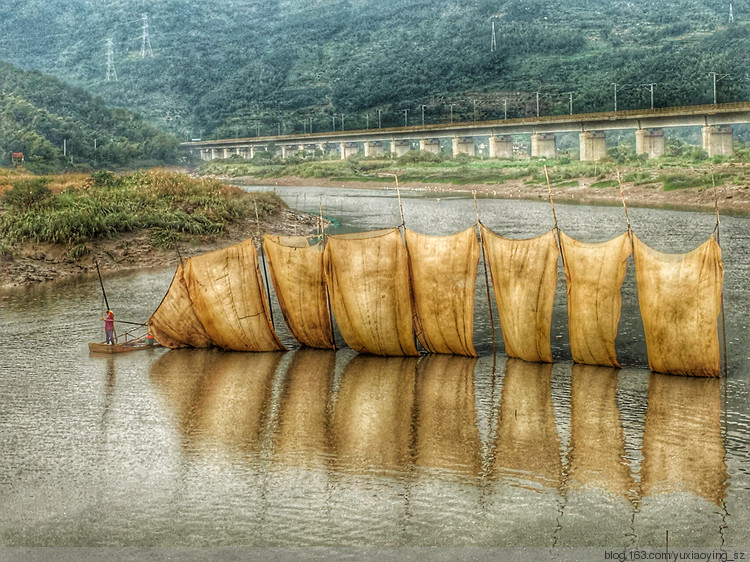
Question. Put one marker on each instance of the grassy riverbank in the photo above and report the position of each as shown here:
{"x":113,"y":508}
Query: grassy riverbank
{"x":681,"y":179}
{"x":53,"y":226}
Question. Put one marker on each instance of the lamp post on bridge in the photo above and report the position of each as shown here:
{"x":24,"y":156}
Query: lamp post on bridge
{"x":615,"y":89}
{"x":451,"y":106}
{"x":651,"y":87}
{"x":537,"y":104}
{"x":342,"y":121}
{"x":380,"y":112}
{"x":717,"y":78}
{"x":406,"y":117}
{"x":505,"y":107}
{"x":422,"y":108}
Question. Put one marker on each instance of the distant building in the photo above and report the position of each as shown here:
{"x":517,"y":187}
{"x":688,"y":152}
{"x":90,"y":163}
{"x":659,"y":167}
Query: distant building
{"x":16,"y":158}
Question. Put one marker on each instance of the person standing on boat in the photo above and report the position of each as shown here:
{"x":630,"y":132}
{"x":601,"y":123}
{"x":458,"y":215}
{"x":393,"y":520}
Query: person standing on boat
{"x":109,"y":327}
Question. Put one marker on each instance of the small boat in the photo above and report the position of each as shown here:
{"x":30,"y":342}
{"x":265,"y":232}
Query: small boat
{"x":134,"y":345}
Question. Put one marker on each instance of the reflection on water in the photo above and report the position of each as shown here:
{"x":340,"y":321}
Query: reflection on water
{"x":683,"y":450}
{"x":223,"y":401}
{"x":527,"y":445}
{"x":597,"y":441}
{"x":302,"y":436}
{"x":447,"y":433}
{"x":387,"y":414}
{"x":372,"y":416}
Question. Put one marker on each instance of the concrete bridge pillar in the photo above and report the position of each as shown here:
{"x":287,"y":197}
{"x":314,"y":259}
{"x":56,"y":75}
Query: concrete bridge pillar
{"x":463,"y":145}
{"x":206,"y":154}
{"x":373,"y":148}
{"x":225,"y":153}
{"x":429,"y":145}
{"x":649,"y":142}
{"x":717,"y":140}
{"x":592,"y":145}
{"x":400,"y":147}
{"x":501,"y":147}
{"x":284,"y":151}
{"x":348,"y":149}
{"x":543,"y":145}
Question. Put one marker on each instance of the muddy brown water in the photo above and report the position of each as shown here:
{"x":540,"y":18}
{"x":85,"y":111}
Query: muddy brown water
{"x":315,"y":448}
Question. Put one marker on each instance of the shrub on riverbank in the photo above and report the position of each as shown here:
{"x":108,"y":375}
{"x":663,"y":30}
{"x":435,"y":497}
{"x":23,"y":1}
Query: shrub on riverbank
{"x":169,"y":205}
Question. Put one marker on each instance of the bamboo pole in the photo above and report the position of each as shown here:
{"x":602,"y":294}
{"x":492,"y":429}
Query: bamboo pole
{"x":718,"y":242}
{"x":624,"y":206}
{"x":263,"y":259}
{"x":486,"y":276}
{"x":325,"y":283}
{"x":554,"y":216}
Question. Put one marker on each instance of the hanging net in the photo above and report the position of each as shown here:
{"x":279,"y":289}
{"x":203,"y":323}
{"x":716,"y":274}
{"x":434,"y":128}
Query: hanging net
{"x":297,"y":273}
{"x":680,"y":298}
{"x":368,"y":279}
{"x":524,"y":278}
{"x":443,"y":272}
{"x":594,"y":275}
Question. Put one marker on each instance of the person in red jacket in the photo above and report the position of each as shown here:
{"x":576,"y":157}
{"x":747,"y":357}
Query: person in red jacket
{"x":109,"y":327}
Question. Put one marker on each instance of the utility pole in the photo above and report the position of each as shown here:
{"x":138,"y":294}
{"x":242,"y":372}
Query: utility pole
{"x":145,"y":40}
{"x":451,"y":106}
{"x":278,"y":128}
{"x":651,"y":87}
{"x":570,"y":103}
{"x":717,"y":78}
{"x":367,"y":121}
{"x":333,"y":118}
{"x":111,"y":72}
{"x":380,"y":111}
{"x":731,"y":13}
{"x":422,"y":108}
{"x":311,"y":122}
{"x":475,"y":109}
{"x":65,"y":147}
{"x":342,"y":121}
{"x":493,"y":43}
{"x":615,"y":88}
{"x":537,"y":104}
{"x":257,"y":128}
{"x":406,"y":117}
{"x":505,"y":107}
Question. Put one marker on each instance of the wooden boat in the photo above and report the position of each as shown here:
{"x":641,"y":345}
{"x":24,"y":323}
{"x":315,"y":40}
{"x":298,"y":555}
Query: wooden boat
{"x":134,"y":345}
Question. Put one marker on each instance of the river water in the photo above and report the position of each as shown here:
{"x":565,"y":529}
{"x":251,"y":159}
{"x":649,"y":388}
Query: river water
{"x":316,"y":448}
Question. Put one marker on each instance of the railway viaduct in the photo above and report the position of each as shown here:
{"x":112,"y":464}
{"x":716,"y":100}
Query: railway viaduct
{"x":715,"y":120}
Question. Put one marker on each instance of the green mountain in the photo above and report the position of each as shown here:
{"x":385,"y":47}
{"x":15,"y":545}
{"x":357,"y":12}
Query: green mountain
{"x":57,"y":126}
{"x":203,"y":68}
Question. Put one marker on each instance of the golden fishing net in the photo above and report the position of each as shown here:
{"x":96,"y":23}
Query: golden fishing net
{"x":368,"y":279}
{"x":174,"y":323}
{"x":443,"y":272}
{"x":297,"y":273}
{"x":524,"y":277}
{"x":594,"y":274}
{"x":229,"y":300}
{"x":680,"y":298}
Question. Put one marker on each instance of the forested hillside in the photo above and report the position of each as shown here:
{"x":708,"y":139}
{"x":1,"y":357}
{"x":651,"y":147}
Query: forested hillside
{"x":203,"y":68}
{"x":57,"y":126}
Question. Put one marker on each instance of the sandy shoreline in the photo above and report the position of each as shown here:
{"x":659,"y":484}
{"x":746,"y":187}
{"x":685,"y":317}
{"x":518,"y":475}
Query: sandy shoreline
{"x":731,"y":199}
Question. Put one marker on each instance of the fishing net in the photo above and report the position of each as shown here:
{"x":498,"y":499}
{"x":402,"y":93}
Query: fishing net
{"x":594,"y":274}
{"x":680,"y":298}
{"x":368,"y":279}
{"x":524,"y":277}
{"x":229,"y":300}
{"x":443,"y":273}
{"x":297,"y":273}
